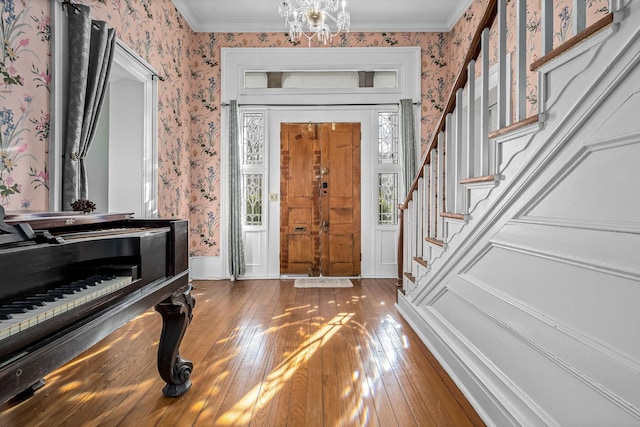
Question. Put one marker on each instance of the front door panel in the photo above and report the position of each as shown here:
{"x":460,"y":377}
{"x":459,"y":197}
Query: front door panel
{"x":299,"y":215}
{"x":320,"y":199}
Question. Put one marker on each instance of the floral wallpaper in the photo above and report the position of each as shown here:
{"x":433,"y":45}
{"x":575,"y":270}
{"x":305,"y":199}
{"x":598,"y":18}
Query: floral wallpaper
{"x":463,"y":31}
{"x":24,"y":105}
{"x":25,"y":63}
{"x":189,"y":94}
{"x":205,"y":116}
{"x":143,"y":25}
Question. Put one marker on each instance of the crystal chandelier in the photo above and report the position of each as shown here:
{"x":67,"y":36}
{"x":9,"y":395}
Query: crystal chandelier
{"x":309,"y":18}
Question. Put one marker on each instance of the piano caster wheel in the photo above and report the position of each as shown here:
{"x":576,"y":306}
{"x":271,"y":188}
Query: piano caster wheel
{"x":182,"y":376}
{"x":176,"y":390}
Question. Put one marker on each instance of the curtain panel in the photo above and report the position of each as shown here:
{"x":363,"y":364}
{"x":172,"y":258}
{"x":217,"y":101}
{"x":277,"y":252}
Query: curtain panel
{"x":236,"y":248}
{"x":91,"y":46}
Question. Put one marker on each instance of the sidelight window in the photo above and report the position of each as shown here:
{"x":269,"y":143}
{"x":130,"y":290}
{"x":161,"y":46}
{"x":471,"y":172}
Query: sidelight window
{"x":388,"y":137}
{"x":253,"y":138}
{"x":388,"y":168}
{"x":252,"y":195}
{"x":253,"y":168}
{"x":387,"y":198}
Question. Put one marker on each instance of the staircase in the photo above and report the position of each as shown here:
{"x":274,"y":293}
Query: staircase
{"x":519,"y":256}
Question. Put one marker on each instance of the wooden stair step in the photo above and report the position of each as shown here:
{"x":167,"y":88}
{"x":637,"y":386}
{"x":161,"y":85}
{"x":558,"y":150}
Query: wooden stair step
{"x":421,"y":261}
{"x":568,"y":44}
{"x":514,"y":126}
{"x":479,"y":179}
{"x":451,"y":215}
{"x":410,"y":277}
{"x":434,"y":241}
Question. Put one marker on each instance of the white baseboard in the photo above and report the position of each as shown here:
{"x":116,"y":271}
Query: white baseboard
{"x":492,"y":399}
{"x":206,"y":268}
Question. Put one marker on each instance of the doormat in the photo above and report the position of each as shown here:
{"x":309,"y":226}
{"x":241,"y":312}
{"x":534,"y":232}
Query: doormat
{"x":323,"y":282}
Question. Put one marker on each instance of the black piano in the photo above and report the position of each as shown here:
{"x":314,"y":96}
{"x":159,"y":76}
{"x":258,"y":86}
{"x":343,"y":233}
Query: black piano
{"x":69,"y":279}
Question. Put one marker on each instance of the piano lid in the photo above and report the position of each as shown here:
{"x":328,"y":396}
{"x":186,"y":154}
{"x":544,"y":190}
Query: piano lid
{"x":51,"y":220}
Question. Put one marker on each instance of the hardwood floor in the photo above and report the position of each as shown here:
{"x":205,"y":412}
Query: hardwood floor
{"x":265,"y":354}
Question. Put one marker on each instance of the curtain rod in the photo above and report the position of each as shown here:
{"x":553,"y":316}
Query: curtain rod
{"x":226,"y":104}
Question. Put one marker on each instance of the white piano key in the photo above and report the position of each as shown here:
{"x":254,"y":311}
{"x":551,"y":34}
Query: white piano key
{"x":22,"y":321}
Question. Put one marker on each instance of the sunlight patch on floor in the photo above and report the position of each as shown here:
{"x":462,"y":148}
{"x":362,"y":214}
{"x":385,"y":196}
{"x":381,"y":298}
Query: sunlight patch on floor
{"x":242,"y":411}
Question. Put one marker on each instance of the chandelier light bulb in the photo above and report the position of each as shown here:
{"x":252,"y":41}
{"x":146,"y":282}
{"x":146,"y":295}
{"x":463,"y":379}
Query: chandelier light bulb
{"x":313,"y":18}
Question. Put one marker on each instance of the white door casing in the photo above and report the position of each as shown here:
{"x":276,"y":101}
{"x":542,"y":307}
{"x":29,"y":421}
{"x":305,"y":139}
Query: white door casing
{"x":132,"y":83}
{"x":315,"y":105}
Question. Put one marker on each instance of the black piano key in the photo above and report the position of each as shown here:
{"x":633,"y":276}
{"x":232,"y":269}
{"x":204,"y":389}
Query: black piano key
{"x":58,"y":293}
{"x":73,"y":286}
{"x":28,"y":302}
{"x":18,"y":305}
{"x":5,"y":316}
{"x":41,"y":297}
{"x":13,"y":310}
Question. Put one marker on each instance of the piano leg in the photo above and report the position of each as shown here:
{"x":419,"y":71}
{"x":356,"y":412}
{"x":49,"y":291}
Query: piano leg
{"x":176,"y":314}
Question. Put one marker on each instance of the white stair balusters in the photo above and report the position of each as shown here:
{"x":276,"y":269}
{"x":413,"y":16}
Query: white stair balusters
{"x":547,"y":26}
{"x":458,"y":154}
{"x":440,"y":187}
{"x":471,"y":121}
{"x":579,"y":16}
{"x":432,"y":195}
{"x":483,"y":151}
{"x":502,"y":64}
{"x":521,"y":55}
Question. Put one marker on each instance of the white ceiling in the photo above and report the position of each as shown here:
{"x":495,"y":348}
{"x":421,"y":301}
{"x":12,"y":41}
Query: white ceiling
{"x":366,"y":15}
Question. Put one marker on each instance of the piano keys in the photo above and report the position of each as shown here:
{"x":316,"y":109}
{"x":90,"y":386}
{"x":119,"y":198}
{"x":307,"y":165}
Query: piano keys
{"x":18,"y":316}
{"x":67,"y":280}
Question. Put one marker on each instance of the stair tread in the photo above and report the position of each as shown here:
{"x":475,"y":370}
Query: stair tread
{"x":478,"y":179}
{"x":421,"y":261}
{"x":410,"y":277}
{"x":452,"y":215}
{"x":435,"y":241}
{"x":568,"y":44}
{"x":514,"y":126}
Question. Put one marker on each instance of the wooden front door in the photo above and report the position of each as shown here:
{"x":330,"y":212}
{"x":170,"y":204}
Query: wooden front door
{"x":320,"y":199}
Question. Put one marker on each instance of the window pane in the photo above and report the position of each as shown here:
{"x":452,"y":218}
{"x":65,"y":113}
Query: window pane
{"x":388,"y":137}
{"x":252,"y":194}
{"x":253,"y":138}
{"x":387,"y":198}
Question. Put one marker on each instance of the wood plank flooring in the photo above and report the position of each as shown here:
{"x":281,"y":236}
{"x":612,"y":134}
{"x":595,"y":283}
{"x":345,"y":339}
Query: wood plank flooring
{"x":265,"y":354}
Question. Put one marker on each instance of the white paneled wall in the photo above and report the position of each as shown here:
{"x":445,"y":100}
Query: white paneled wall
{"x":531,"y":302}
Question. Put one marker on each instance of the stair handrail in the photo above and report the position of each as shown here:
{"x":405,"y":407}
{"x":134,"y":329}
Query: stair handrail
{"x":473,"y":52}
{"x":489,"y":16}
{"x":550,"y":52}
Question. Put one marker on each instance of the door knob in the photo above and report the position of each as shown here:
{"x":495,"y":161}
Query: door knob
{"x":325,"y":226}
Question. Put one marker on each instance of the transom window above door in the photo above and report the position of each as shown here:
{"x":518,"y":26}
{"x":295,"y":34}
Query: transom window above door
{"x":320,"y":79}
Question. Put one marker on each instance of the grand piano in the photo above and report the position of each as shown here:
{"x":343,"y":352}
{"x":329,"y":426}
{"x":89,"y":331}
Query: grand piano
{"x":69,"y":279}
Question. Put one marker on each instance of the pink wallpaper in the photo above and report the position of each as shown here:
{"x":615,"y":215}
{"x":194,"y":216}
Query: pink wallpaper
{"x":462,"y":33}
{"x":144,"y":25}
{"x":189,"y":96}
{"x":205,"y":161}
{"x":24,"y":104}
